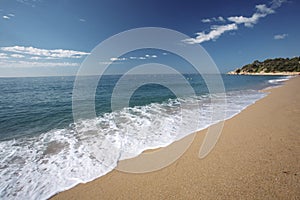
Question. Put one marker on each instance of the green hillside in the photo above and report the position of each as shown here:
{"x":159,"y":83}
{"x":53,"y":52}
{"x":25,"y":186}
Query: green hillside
{"x":272,"y":66}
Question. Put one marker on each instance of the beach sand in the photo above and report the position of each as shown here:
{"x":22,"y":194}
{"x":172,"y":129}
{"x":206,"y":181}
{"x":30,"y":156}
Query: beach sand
{"x":256,"y":157}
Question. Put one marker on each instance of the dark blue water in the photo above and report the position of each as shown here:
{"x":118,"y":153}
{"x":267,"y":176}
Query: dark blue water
{"x":30,"y":106}
{"x":34,"y":105}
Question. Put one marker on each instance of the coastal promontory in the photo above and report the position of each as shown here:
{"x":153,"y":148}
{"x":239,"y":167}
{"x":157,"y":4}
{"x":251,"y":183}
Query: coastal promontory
{"x":276,"y":66}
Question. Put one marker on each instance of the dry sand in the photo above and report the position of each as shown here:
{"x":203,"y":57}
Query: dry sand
{"x":256,"y":157}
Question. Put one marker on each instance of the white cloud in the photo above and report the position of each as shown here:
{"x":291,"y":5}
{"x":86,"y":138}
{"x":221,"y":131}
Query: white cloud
{"x":220,"y":19}
{"x":206,"y":20}
{"x":280,"y":36}
{"x":147,"y":56}
{"x":109,"y":63}
{"x":277,"y":3}
{"x":29,"y":57}
{"x":35,"y":58}
{"x":247,"y":21}
{"x":105,"y":63}
{"x":261,"y":11}
{"x":51,"y":58}
{"x":41,"y":58}
{"x":212,"y":35}
{"x":17,"y":56}
{"x":82,"y":20}
{"x":262,"y":8}
{"x":55,"y":53}
{"x":8,"y":16}
{"x":150,"y":56}
{"x":214,"y":19}
{"x":27,"y":64}
{"x":118,"y":59}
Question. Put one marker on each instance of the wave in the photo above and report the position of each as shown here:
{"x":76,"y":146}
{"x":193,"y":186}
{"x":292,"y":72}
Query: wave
{"x":279,"y":80}
{"x":40,"y":166}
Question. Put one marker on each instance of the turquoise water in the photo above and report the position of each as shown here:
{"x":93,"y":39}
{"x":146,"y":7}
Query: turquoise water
{"x":42,"y":150}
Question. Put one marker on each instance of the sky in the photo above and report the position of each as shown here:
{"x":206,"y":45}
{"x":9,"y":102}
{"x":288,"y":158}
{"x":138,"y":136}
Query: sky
{"x":53,"y":37}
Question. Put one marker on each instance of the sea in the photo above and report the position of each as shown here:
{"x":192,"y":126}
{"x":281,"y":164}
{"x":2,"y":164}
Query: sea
{"x":43,"y":150}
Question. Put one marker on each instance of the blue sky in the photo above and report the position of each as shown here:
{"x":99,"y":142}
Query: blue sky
{"x":52,"y":37}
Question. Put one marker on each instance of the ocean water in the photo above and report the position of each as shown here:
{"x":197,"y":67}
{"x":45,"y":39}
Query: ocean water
{"x":43,"y":151}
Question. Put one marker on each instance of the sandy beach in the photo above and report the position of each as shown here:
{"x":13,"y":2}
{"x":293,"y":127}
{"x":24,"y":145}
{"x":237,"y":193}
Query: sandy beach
{"x":256,"y":157}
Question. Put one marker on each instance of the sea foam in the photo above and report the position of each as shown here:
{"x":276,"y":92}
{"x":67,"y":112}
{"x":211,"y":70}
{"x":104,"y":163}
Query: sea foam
{"x":38,"y":167}
{"x":279,"y":80}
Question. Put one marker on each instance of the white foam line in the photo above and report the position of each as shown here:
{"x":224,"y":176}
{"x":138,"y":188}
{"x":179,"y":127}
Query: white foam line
{"x":31,"y":167}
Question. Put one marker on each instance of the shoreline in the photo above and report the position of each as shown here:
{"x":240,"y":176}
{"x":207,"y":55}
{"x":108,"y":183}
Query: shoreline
{"x":265,"y":74}
{"x":232,"y":169}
